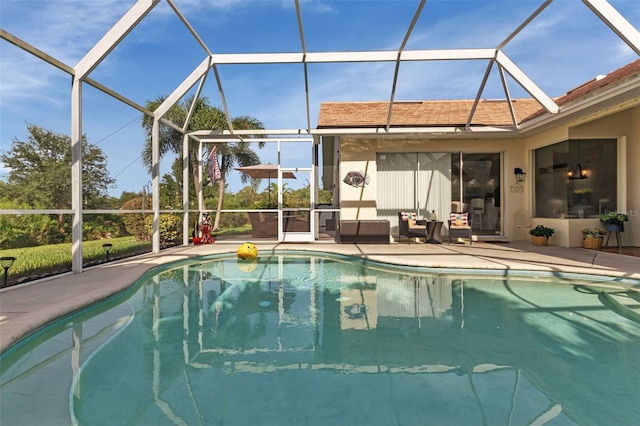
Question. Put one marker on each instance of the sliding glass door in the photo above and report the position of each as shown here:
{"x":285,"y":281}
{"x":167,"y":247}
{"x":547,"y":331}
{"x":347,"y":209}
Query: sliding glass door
{"x":441,"y":182}
{"x":476,"y":189}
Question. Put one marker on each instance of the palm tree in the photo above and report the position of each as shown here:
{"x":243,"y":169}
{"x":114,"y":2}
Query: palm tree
{"x":205,"y":117}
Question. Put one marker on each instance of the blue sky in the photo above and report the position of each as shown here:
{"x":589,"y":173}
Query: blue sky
{"x":562,"y":48}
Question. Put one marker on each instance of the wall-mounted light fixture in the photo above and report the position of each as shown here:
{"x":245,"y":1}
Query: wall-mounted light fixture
{"x":520,"y":175}
{"x":6,"y":262}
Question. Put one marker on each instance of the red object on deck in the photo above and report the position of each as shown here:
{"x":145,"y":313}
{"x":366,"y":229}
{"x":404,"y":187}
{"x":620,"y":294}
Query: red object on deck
{"x":206,"y":237}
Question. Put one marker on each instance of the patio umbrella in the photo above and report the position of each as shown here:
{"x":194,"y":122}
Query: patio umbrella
{"x":265,"y":171}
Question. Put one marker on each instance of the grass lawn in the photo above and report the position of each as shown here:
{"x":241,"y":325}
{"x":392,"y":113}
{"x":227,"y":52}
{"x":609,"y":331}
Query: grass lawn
{"x":38,"y":262}
{"x":41,"y":261}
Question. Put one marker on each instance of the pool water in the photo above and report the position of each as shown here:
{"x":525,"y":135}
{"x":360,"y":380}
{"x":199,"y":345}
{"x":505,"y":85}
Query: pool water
{"x":309,"y":339}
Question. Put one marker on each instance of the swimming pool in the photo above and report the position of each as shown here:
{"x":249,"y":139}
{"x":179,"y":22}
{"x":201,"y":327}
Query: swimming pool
{"x":303,"y":338}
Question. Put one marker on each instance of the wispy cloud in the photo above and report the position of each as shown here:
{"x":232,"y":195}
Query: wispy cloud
{"x":314,"y":6}
{"x":66,"y":30}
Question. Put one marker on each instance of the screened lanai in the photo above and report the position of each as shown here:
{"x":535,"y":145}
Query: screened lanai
{"x":279,"y":62}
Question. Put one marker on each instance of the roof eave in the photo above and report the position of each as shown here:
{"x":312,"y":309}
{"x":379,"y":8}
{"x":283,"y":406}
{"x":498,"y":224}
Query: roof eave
{"x":422,"y":132}
{"x":604,"y":100}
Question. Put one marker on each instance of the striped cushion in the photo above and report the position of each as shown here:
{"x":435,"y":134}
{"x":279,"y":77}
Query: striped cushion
{"x":459,"y":219}
{"x":405,"y":216}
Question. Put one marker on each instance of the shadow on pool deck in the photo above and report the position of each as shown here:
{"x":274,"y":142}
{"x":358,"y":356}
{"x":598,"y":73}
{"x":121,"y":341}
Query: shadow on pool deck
{"x":627,"y":251}
{"x":25,"y":308}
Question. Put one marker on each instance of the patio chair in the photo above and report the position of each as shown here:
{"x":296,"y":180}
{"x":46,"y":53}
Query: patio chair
{"x":460,"y":226}
{"x":478,"y":211}
{"x":264,"y":224}
{"x":408,"y":226}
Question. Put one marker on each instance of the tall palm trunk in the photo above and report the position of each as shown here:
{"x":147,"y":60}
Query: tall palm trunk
{"x":204,"y":117}
{"x":221,"y":185}
{"x":196,"y":181}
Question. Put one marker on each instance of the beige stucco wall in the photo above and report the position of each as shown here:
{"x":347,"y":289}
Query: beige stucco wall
{"x":359,"y":154}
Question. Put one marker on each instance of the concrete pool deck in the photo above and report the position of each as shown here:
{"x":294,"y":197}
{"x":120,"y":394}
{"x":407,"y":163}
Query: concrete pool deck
{"x":28,"y":307}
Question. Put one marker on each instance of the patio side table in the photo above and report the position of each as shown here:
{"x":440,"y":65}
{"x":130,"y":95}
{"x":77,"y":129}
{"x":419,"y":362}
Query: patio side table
{"x":433,"y":233}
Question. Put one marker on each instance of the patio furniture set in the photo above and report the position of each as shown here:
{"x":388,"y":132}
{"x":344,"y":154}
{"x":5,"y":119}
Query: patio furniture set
{"x":411,"y":227}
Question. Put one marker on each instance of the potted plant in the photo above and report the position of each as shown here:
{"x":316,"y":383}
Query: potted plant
{"x":614,"y":221}
{"x":540,"y":235}
{"x":592,"y":238}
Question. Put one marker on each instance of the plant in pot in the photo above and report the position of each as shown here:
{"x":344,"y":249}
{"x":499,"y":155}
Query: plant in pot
{"x":592,"y":238}
{"x":614,"y":221}
{"x":540,"y":235}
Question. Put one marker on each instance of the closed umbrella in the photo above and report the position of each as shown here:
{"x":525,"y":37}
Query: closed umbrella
{"x":265,"y":171}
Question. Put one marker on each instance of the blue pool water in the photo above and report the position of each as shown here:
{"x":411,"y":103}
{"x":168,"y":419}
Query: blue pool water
{"x":310,"y":339}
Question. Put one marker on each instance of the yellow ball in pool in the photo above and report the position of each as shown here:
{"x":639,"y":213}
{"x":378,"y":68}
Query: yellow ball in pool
{"x":247,"y":251}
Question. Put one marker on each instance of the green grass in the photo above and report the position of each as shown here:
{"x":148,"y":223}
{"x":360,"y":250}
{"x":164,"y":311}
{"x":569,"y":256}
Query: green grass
{"x":244,"y":229}
{"x":37,"y":262}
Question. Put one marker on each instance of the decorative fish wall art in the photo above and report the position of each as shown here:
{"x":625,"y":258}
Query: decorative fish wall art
{"x":356,"y":179}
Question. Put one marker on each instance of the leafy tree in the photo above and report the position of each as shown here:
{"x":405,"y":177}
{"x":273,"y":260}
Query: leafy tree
{"x":124,"y":197}
{"x":205,"y":117}
{"x":247,"y":196}
{"x":135,"y":222}
{"x":171,"y":189}
{"x":233,"y":155}
{"x":40,"y":176}
{"x":325,"y":196}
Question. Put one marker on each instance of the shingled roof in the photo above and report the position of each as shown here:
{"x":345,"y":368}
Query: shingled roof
{"x":455,"y":113}
{"x":423,"y":113}
{"x":594,"y":86}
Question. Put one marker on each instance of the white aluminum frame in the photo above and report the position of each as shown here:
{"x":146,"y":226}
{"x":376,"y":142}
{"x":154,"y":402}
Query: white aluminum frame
{"x":493,"y":55}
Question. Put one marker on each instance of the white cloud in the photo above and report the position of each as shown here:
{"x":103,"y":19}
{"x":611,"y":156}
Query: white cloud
{"x":66,"y":29}
{"x":314,"y":6}
{"x":195,"y":6}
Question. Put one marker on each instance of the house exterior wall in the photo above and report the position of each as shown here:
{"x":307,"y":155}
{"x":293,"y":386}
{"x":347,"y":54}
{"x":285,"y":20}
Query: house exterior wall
{"x":633,"y":176}
{"x":359,"y":154}
{"x":623,"y":126}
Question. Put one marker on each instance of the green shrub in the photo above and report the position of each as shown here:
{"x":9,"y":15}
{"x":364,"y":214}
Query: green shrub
{"x":135,"y":223}
{"x":613,"y":217}
{"x":170,"y":228}
{"x":26,"y":230}
{"x":542,"y":231}
{"x":233,"y":220}
{"x":98,"y":227}
{"x":592,"y":233}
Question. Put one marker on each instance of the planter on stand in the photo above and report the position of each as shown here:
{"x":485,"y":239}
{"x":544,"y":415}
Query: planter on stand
{"x":615,"y":227}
